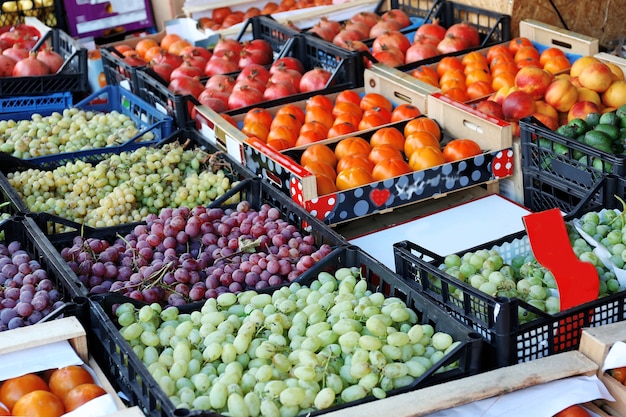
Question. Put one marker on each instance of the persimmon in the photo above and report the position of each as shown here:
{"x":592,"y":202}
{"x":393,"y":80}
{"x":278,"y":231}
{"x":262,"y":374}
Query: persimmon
{"x":519,"y":42}
{"x":320,"y":168}
{"x":390,"y":168}
{"x":449,"y":63}
{"x":258,"y":115}
{"x":81,"y":394}
{"x":169,"y":39}
{"x":419,"y":139}
{"x":292,"y":109}
{"x":341,"y":129}
{"x":349,"y":96}
{"x":375,"y":100}
{"x":353,"y":177}
{"x":354,"y":160}
{"x":426,"y":157}
{"x":319,"y":114}
{"x":318,"y":152}
{"x":13,"y":388}
{"x":423,"y":124}
{"x":352,"y":145}
{"x":405,"y":111}
{"x":62,"y":380}
{"x":382,"y":152}
{"x":144,"y":45}
{"x":39,"y":403}
{"x":388,"y":136}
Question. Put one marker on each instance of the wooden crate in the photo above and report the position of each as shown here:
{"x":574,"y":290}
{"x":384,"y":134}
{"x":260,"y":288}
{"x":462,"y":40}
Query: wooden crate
{"x":70,"y":329}
{"x":474,"y":388}
{"x":595,"y":343}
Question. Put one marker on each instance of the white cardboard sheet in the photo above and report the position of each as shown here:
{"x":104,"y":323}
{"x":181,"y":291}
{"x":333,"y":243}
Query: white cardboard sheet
{"x":449,"y":231}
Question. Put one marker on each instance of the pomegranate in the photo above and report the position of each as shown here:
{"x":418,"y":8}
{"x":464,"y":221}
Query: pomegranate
{"x":369,"y":18}
{"x":163,"y":70}
{"x":16,"y":52}
{"x":249,"y":57}
{"x":420,"y":51}
{"x":195,"y":50}
{"x":213,"y":103}
{"x":433,"y":29}
{"x":465,"y":31}
{"x":392,"y":38}
{"x":134,"y":60}
{"x":30,"y":66}
{"x":286,"y":75}
{"x":260,"y":45}
{"x":227,"y":44}
{"x":221,"y":82}
{"x":346,"y":36}
{"x":332,"y":25}
{"x":315,"y":79}
{"x":186,"y":86}
{"x":169,"y":58}
{"x":398,"y":15}
{"x":186,"y":70}
{"x":52,"y":59}
{"x":383,"y":26}
{"x":276,"y":90}
{"x":220,"y":65}
{"x":253,"y":82}
{"x":256,"y":71}
{"x":244,"y":96}
{"x":287,"y":62}
{"x":195,"y":59}
{"x":392,"y":58}
{"x":324,"y":32}
{"x":360,"y":27}
{"x":6,"y":66}
{"x":452,"y":43}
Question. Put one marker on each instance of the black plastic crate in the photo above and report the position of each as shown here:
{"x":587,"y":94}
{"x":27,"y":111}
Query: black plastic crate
{"x":10,"y":203}
{"x":72,"y":77}
{"x":25,"y":231}
{"x":124,"y":367}
{"x":497,"y":319}
{"x":186,"y":137}
{"x":572,"y":166}
{"x":108,"y":99}
{"x":542,"y":193}
{"x":60,"y":232}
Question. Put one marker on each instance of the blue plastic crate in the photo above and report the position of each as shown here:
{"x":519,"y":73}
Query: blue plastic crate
{"x":112,"y":98}
{"x":19,"y":108}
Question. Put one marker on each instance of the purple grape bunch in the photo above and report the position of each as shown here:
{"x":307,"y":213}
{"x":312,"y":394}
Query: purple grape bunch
{"x":26,"y":293}
{"x":186,"y":254}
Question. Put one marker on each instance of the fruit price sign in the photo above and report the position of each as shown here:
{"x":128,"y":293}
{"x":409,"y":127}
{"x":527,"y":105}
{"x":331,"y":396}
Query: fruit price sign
{"x":104,"y":18}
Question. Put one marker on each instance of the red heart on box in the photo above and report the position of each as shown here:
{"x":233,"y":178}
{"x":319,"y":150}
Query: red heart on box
{"x":379,"y":196}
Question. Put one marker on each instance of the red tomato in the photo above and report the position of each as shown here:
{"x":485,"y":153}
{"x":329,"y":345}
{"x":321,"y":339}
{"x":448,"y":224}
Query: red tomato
{"x":573,"y":411}
{"x":460,"y":149}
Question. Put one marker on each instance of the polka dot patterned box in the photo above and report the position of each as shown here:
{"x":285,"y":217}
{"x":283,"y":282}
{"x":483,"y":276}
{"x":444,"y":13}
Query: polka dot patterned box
{"x":456,"y":120}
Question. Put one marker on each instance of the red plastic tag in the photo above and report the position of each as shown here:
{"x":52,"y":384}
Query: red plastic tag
{"x":576,"y":280}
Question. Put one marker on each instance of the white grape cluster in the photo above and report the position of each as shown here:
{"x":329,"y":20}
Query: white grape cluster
{"x":72,"y":130}
{"x":125,"y":187}
{"x":523,"y":277}
{"x":299,"y":349}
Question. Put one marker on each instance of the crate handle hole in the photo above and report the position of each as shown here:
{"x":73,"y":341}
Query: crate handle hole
{"x":472,"y":126}
{"x":273,"y":178}
{"x":402,"y":97}
{"x":562,"y":44}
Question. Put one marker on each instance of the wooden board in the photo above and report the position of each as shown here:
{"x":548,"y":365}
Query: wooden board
{"x":462,"y":391}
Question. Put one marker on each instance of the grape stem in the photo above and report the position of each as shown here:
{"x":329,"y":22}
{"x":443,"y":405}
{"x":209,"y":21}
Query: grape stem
{"x":245,"y":246}
{"x":621,"y":214}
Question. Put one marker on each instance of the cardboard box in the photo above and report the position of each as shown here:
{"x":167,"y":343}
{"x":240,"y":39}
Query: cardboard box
{"x":457,"y":121}
{"x":164,"y":10}
{"x":595,"y":343}
{"x":70,"y":329}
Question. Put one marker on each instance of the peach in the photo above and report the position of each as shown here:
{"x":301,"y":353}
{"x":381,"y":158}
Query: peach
{"x":585,"y":94}
{"x":596,"y":76}
{"x":581,"y":63}
{"x":544,"y":108}
{"x":615,"y":95}
{"x":550,"y":122}
{"x":518,"y":105}
{"x":561,"y":94}
{"x":499,"y":95}
{"x":581,"y":109}
{"x":618,"y":74}
{"x":491,"y":108}
{"x":533,"y":80}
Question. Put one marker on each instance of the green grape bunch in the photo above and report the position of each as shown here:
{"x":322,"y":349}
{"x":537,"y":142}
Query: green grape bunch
{"x":297,"y":350}
{"x":126,"y":187}
{"x":71,"y":130}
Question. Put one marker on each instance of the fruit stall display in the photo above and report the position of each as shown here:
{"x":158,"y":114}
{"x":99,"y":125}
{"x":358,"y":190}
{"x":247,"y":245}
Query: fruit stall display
{"x":505,"y":293}
{"x":363,"y":194}
{"x":67,"y":379}
{"x":49,"y":12}
{"x":123,"y":185}
{"x":305,"y":344}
